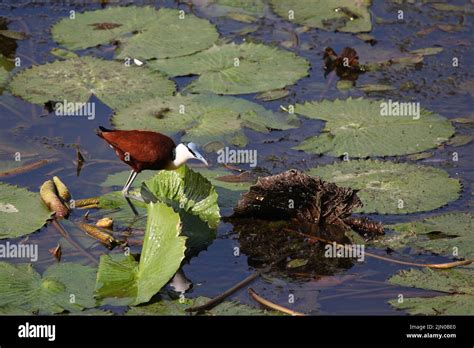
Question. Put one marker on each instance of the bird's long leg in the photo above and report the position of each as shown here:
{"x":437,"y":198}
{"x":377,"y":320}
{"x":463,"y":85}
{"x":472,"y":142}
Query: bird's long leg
{"x":126,"y":188}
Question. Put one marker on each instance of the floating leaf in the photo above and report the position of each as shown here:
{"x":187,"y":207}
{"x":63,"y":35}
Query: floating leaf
{"x":295,"y":263}
{"x":215,"y":8}
{"x":459,"y":140}
{"x":343,"y":85}
{"x":163,"y":250}
{"x":61,"y":53}
{"x":420,"y":156}
{"x":438,"y":234}
{"x":357,"y":127}
{"x":341,"y":15}
{"x":21,"y":211}
{"x":76,"y":80}
{"x":3,"y":76}
{"x":192,"y":192}
{"x":119,"y":179}
{"x":428,"y":51}
{"x":237,"y":69}
{"x":121,"y":212}
{"x":457,"y":282}
{"x":273,"y":95}
{"x":178,"y":307}
{"x":141,"y":31}
{"x":15,"y":35}
{"x":22,"y":289}
{"x":393,"y":188}
{"x":464,"y":120}
{"x":448,"y":7}
{"x":241,"y":17}
{"x":206,"y":118}
{"x":376,"y":88}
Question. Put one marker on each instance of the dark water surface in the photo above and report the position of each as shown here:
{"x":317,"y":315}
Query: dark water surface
{"x":360,"y":290}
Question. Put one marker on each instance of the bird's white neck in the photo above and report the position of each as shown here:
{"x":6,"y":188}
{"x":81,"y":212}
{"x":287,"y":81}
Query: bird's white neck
{"x":182,"y":155}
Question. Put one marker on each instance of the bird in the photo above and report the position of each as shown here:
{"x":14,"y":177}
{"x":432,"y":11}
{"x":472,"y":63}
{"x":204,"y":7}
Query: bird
{"x":147,"y":150}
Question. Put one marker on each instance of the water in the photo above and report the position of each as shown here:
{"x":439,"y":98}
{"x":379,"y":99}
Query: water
{"x":361,"y":289}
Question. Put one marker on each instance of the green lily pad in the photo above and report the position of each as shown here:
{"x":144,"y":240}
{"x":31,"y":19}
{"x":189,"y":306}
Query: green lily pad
{"x":120,"y":211}
{"x":178,"y":307}
{"x":5,"y":67}
{"x":393,"y":188}
{"x":193,"y":193}
{"x":76,"y":80}
{"x":119,"y":179}
{"x":344,"y":85}
{"x":63,"y":287}
{"x":3,"y":76}
{"x":237,"y":69}
{"x":203,"y":118}
{"x":441,"y":234}
{"x":62,"y":53}
{"x":141,"y":32}
{"x":356,"y":126}
{"x":459,"y":283}
{"x":216,"y":8}
{"x":21,"y":211}
{"x":341,"y":15}
{"x":163,"y":250}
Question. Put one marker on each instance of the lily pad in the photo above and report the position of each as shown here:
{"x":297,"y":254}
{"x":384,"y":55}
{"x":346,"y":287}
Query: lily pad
{"x":192,"y":192}
{"x":62,"y":53}
{"x":341,"y":15}
{"x":141,"y":32}
{"x":458,"y":283}
{"x":237,"y":69}
{"x":441,"y":234}
{"x":163,"y":250}
{"x":21,"y":211}
{"x":358,"y":127}
{"x":3,"y":76}
{"x":393,"y":188}
{"x":178,"y":307}
{"x":215,"y":8}
{"x":203,"y":118}
{"x":22,"y":289}
{"x":76,"y":80}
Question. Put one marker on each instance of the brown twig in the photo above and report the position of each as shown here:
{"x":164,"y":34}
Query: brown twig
{"x":218,"y":299}
{"x":272,"y":305}
{"x":66,"y":235}
{"x":375,"y":256}
{"x":26,"y":168}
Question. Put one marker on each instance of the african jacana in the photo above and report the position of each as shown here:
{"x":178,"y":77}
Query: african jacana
{"x":145,"y":150}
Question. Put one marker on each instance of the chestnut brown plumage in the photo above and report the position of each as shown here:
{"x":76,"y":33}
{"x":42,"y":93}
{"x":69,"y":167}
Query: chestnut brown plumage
{"x":146,"y":150}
